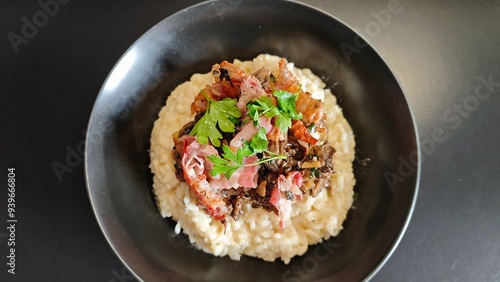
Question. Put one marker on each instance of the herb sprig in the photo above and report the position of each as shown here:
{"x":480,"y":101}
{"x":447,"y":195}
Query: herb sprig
{"x":224,"y":112}
{"x":221,"y":114}
{"x":285,"y":111}
{"x":231,"y":161}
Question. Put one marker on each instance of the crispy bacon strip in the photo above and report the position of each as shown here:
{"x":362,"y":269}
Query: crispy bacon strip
{"x":311,"y":109}
{"x":194,"y":167}
{"x":250,"y":89}
{"x":228,"y":78}
{"x":285,"y":79}
{"x":300,"y":131}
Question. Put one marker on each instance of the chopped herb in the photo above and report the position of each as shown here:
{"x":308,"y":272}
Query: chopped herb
{"x":315,"y":173}
{"x":228,"y":164}
{"x":222,"y":114}
{"x":262,"y":106}
{"x":284,"y":112}
{"x":206,"y":129}
{"x":229,"y":161}
{"x":258,"y":144}
{"x":288,"y":109}
{"x":286,"y":103}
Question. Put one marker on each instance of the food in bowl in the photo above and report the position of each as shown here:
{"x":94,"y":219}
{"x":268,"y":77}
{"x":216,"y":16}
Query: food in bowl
{"x":253,"y":158}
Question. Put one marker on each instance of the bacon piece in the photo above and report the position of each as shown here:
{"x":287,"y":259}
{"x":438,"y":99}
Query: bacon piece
{"x":249,"y":130}
{"x":200,"y":102}
{"x":210,"y":199}
{"x":228,"y":78}
{"x":285,"y":79}
{"x":283,"y":206}
{"x":286,"y":191}
{"x":247,"y":178}
{"x":276,"y":135}
{"x":226,"y":71}
{"x":311,"y":109}
{"x":195,"y":167}
{"x":292,"y":182}
{"x":300,"y":131}
{"x":243,"y":177}
{"x":250,"y":89}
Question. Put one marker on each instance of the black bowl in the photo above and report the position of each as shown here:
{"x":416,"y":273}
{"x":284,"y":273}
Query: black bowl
{"x":117,"y":154}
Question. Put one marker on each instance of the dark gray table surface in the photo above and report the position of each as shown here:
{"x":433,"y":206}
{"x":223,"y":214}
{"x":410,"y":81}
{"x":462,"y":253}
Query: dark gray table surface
{"x":446,"y":55}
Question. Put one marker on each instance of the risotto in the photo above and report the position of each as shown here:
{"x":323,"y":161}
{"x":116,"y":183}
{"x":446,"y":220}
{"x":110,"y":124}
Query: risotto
{"x":252,"y":228}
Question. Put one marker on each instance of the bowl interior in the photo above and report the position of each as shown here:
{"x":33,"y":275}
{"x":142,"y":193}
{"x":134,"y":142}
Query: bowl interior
{"x":117,"y":154}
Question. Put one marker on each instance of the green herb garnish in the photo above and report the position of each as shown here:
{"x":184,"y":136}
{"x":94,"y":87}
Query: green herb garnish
{"x":221,"y":114}
{"x":258,"y":144}
{"x":262,"y":106}
{"x":229,"y":161}
{"x":315,"y":173}
{"x":285,"y":112}
{"x":288,"y":109}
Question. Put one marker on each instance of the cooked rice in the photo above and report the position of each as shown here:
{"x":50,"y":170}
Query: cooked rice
{"x":257,"y":232}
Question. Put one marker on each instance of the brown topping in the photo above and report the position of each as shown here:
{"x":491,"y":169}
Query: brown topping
{"x":261,"y":189}
{"x":285,"y":79}
{"x":311,"y":109}
{"x":313,"y":164}
{"x":311,"y":157}
{"x":300,"y":131}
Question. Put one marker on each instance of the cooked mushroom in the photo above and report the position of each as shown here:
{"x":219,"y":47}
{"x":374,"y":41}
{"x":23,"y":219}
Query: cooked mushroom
{"x":261,"y":189}
{"x":313,"y":164}
{"x":320,"y":183}
{"x":237,"y":203}
{"x":263,"y":75}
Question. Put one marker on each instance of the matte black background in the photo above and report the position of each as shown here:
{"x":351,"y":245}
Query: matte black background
{"x":437,"y":49}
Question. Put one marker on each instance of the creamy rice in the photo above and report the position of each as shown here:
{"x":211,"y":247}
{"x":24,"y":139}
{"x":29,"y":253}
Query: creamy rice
{"x":257,"y":232}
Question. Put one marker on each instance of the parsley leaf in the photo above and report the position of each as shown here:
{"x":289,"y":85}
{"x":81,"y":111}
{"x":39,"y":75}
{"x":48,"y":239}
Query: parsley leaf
{"x":285,"y":111}
{"x":258,"y":144}
{"x":206,"y":129}
{"x":229,"y":161}
{"x":316,"y":173}
{"x":259,"y":141}
{"x":288,"y":109}
{"x":221,"y":113}
{"x":286,"y":103}
{"x":262,"y":106}
{"x":283,"y":123}
{"x":222,"y":166}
